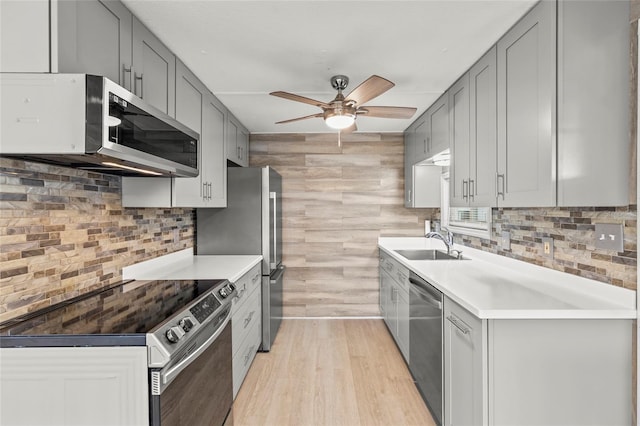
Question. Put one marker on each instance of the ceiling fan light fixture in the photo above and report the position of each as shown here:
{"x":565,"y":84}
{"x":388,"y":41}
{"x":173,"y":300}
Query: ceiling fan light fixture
{"x":340,"y":121}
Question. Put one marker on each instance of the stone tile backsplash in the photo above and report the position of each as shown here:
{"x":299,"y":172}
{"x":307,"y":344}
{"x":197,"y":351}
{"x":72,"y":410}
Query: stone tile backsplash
{"x":573,"y":233}
{"x":64,"y":232}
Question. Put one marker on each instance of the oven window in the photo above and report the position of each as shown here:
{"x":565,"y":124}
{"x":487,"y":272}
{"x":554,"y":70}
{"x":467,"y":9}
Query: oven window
{"x":141,"y":131}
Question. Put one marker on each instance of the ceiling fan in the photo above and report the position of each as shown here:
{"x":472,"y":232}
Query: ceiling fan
{"x":341,"y":112}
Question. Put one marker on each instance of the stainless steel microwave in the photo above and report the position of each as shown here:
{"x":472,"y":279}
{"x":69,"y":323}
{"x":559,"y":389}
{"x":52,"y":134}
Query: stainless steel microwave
{"x":89,"y":122}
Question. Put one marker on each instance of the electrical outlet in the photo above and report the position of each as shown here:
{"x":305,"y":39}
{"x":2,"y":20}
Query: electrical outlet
{"x":547,"y":247}
{"x":505,"y":240}
{"x":609,"y":236}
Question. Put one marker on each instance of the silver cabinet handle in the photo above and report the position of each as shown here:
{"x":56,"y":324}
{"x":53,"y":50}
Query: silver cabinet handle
{"x":241,"y":292}
{"x":465,"y":188}
{"x":498,"y":186}
{"x":210,"y":190}
{"x":255,"y":278}
{"x":135,"y":86}
{"x":453,"y":320}
{"x":247,"y":320}
{"x":409,"y":196}
{"x":472,"y":188}
{"x":126,"y":71}
{"x":247,"y":357}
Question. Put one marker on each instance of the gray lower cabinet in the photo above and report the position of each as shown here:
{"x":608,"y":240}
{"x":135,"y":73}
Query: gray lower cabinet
{"x":535,"y":371}
{"x":394,"y":301}
{"x":246,"y":324}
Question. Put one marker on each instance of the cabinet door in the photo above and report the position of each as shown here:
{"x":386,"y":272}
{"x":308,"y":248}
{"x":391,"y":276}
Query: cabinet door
{"x":233,"y":150}
{"x":243,"y":144}
{"x":403,"y":323}
{"x":190,"y":192}
{"x":593,"y":103}
{"x":28,"y":22}
{"x":464,"y":367}
{"x":420,"y":141}
{"x":526,"y":111}
{"x":74,"y":386}
{"x":214,"y":160}
{"x":459,"y":134}
{"x":94,"y":37}
{"x":482,"y":146}
{"x":154,"y":69}
{"x":409,"y":137}
{"x":438,"y":126}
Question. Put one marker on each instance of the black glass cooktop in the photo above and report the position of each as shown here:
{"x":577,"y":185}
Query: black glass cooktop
{"x":130,"y":308}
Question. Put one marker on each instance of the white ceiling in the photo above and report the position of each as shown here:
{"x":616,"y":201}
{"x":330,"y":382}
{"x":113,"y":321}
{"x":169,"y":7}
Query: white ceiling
{"x":242,"y":50}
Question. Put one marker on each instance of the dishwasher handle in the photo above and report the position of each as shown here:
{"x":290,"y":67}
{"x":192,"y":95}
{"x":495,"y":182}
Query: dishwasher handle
{"x":426,"y":290}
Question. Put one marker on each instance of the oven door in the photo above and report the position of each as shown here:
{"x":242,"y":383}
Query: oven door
{"x":200,"y":387}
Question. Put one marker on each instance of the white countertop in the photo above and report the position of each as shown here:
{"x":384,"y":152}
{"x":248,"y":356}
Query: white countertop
{"x":493,"y":286}
{"x":183,"y":265}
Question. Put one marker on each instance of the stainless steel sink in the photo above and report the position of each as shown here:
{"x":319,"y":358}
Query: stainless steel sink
{"x":427,"y":254}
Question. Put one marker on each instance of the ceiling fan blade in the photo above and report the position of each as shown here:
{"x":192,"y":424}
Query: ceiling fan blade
{"x":369,"y":89}
{"x":350,"y":129}
{"x":298,"y":98}
{"x":387,"y":111}
{"x":300,"y":118}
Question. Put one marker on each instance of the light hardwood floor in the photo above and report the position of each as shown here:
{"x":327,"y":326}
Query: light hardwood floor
{"x":330,"y":372}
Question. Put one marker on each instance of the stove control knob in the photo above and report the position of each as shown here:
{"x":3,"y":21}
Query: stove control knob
{"x":224,"y":292}
{"x":174,"y":334}
{"x":186,"y":324}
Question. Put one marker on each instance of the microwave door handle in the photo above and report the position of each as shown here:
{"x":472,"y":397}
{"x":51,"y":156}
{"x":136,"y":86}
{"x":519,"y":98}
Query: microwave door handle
{"x":166,"y":377}
{"x":272,"y":255}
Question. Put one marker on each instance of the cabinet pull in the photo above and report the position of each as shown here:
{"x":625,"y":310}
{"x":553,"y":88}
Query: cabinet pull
{"x":135,"y":85}
{"x":409,"y":196}
{"x":472,"y":187}
{"x":453,"y":320}
{"x":210,"y":190}
{"x":247,"y":357}
{"x":255,"y":278}
{"x":464,"y":189}
{"x":241,"y":292}
{"x":247,"y":320}
{"x":498,"y":186}
{"x":126,"y":70}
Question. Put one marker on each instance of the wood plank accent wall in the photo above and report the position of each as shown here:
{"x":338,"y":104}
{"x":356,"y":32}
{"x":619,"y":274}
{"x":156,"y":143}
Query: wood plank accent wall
{"x":337,"y":201}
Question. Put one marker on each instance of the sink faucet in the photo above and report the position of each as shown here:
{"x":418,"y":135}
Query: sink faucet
{"x":447,"y":240}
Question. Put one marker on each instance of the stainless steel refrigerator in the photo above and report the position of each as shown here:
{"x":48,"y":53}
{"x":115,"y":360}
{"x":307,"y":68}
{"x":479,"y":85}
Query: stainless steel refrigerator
{"x":251,"y":224}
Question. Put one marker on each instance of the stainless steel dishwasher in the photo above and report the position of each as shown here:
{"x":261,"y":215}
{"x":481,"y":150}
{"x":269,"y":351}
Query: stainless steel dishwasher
{"x":425,"y":342}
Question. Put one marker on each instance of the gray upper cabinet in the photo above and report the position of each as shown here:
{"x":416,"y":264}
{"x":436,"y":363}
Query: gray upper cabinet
{"x":472,"y":121}
{"x":237,"y":142}
{"x":94,"y":37}
{"x":482,"y":125}
{"x":459,"y":132}
{"x":526,"y":111}
{"x":593,"y":103}
{"x":420,"y":142}
{"x":154,"y":68}
{"x":438,"y":126}
{"x":91,"y":37}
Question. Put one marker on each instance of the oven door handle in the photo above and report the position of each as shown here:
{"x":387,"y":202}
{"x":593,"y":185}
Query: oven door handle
{"x":168,"y":376}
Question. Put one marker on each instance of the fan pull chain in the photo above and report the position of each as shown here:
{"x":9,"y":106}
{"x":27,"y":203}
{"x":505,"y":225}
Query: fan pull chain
{"x":339,"y":141}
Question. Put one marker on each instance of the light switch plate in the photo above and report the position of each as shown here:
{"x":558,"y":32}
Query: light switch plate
{"x":609,"y":236}
{"x":547,"y":247}
{"x":505,"y":240}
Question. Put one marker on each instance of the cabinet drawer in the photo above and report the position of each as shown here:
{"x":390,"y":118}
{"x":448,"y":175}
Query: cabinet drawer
{"x":396,"y":270}
{"x":245,"y":286}
{"x":249,"y":314}
{"x":244,"y":357}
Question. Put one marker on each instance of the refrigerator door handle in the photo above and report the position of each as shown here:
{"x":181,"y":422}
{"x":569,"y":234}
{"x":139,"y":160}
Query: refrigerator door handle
{"x":272,"y":255}
{"x":277,"y":275}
